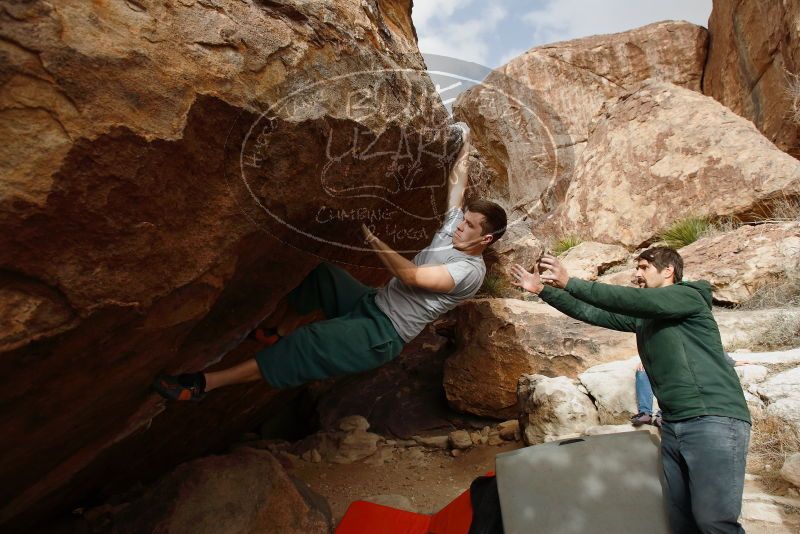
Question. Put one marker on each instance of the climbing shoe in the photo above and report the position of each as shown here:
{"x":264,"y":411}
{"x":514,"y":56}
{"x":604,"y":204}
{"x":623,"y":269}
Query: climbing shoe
{"x":657,"y":420}
{"x":190,"y":386}
{"x":641,"y":418}
{"x":265,"y":336}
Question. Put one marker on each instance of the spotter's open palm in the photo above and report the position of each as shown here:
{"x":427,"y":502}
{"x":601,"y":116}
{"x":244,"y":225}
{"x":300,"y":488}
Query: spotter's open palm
{"x":527,"y":281}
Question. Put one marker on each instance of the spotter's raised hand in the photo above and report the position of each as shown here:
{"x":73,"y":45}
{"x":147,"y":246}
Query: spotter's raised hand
{"x":526,"y":280}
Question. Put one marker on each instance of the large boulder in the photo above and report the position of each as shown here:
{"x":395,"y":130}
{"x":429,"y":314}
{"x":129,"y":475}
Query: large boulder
{"x":498,"y":340}
{"x":169,"y":172}
{"x":553,"y":407}
{"x":753,"y":63}
{"x":402,"y":398}
{"x":588,"y":260}
{"x":790,"y":471}
{"x":737,"y":263}
{"x":782,"y":394}
{"x":530,"y":117}
{"x":239,"y":493}
{"x":612,"y":386}
{"x":661,"y":152}
{"x":749,"y":329}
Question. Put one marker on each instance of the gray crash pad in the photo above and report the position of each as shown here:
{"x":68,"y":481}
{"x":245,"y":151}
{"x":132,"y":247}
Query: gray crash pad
{"x":606,"y":484}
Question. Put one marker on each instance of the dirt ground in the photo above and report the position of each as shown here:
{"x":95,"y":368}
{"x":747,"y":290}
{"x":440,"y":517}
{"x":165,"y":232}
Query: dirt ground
{"x":429,"y":479}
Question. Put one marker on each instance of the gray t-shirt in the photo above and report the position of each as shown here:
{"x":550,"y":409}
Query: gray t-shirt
{"x":411,"y":308}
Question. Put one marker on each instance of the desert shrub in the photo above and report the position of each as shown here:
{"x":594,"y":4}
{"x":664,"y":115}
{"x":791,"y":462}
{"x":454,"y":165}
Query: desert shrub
{"x":782,"y":334}
{"x":685,"y":232}
{"x":772,"y":440}
{"x":777,"y":293}
{"x":497,"y":286}
{"x":785,"y":209}
{"x":793,"y":92}
{"x":566,"y":243}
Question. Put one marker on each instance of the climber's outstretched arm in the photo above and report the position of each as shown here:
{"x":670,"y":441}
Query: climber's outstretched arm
{"x":457,"y":181}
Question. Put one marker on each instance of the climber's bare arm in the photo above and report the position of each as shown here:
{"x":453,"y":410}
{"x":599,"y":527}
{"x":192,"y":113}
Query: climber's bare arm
{"x":431,"y":277}
{"x":457,"y":181}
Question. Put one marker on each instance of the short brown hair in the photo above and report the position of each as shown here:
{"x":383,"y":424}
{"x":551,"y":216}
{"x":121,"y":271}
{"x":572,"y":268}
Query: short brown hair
{"x":495,"y":220}
{"x":663,"y":257}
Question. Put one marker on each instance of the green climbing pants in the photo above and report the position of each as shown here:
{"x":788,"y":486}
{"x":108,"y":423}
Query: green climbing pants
{"x":355,"y":336}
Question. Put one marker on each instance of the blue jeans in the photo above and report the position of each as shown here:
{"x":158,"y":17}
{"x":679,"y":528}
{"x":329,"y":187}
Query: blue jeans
{"x":703,"y":460}
{"x":644,"y":393}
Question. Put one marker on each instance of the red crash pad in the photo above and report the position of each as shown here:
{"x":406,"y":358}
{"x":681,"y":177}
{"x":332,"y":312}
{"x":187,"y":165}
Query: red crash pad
{"x":368,"y":518}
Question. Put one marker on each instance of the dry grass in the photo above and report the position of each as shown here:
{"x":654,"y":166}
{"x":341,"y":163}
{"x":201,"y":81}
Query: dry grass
{"x":793,"y":92}
{"x":771,"y":442}
{"x":782,"y":334}
{"x":777,"y":293}
{"x":723,"y":225}
{"x":785,"y":209}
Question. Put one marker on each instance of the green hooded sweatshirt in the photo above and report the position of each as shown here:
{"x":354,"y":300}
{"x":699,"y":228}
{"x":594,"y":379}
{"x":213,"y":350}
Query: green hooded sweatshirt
{"x":677,"y":337}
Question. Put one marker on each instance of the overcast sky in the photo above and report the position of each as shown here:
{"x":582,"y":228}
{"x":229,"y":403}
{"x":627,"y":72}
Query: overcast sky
{"x":492,"y":32}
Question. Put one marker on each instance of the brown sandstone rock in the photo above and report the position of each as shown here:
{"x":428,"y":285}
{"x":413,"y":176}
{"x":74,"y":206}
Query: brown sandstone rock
{"x":509,"y":430}
{"x":530,"y":117}
{"x":403,"y":398}
{"x":739,"y":262}
{"x":353,"y":423}
{"x":356,"y":445}
{"x":753,"y":61}
{"x":662,"y":152}
{"x":460,"y":439}
{"x":501,"y":339}
{"x":587,"y":260}
{"x":140,"y":185}
{"x":244,"y":492}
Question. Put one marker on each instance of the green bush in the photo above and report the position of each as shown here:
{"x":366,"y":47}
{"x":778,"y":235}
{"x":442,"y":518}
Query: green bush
{"x":496,"y":286}
{"x":685,"y":232}
{"x":566,"y":243}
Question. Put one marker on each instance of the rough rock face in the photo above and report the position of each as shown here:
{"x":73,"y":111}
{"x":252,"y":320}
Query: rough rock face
{"x":588,"y":260}
{"x":782,"y":393}
{"x":246,"y":491}
{"x":737,"y":263}
{"x":613,"y":389}
{"x":753,"y":61}
{"x":552,"y":407}
{"x":743,"y":328}
{"x":158,"y":158}
{"x":501,"y":339}
{"x":662,"y":152}
{"x":530,"y":117}
{"x":790,"y":471}
{"x":402,"y":398}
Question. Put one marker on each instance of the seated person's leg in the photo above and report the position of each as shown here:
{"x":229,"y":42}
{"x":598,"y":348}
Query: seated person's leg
{"x":644,"y":399}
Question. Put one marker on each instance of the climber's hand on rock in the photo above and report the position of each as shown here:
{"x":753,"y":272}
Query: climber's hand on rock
{"x":369,"y":237}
